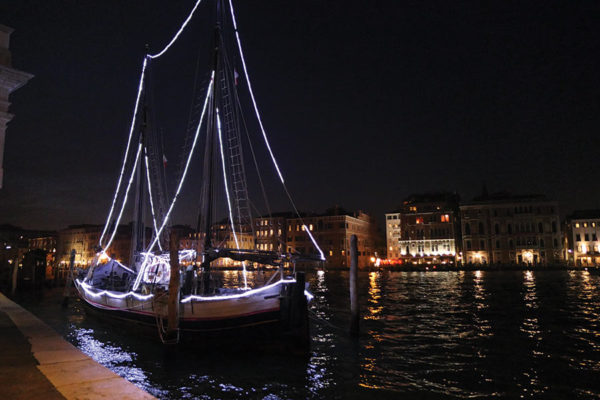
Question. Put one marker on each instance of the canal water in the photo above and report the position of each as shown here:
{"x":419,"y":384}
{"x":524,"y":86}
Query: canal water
{"x":511,"y":334}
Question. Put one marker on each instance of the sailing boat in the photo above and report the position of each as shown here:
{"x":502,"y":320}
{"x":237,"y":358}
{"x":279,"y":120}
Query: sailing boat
{"x":178,"y":285}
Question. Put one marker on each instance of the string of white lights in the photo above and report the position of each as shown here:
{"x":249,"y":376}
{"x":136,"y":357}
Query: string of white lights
{"x":163,"y":51}
{"x":118,"y":220}
{"x":237,"y":244}
{"x":313,"y":240}
{"x":150,"y":195}
{"x":239,"y":295}
{"x":262,"y":128}
{"x":131,"y":128}
{"x":89,"y":290}
{"x":175,"y":197}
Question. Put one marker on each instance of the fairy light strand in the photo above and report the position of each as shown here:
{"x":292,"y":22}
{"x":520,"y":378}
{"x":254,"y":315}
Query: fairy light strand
{"x":183,"y":176}
{"x":150,"y":195}
{"x":262,"y":128}
{"x":174,"y":39}
{"x":118,"y":220}
{"x":131,"y":128}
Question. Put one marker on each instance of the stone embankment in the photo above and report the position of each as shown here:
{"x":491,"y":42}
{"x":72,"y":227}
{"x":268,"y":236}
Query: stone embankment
{"x":37,"y":363}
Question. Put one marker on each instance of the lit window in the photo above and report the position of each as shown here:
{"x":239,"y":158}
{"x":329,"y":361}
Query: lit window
{"x":419,"y":220}
{"x":585,"y":224}
{"x":310,"y":227}
{"x":576,"y":224}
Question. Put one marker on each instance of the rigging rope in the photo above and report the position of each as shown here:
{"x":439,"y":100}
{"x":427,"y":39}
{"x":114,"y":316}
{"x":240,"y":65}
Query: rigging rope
{"x":131,"y":128}
{"x":137,"y":157}
{"x":237,"y":36}
{"x":187,"y":20}
{"x":175,"y":197}
{"x":150,"y":195}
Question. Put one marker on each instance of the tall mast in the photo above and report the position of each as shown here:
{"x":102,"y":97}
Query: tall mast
{"x":138,"y":230}
{"x":209,"y":163}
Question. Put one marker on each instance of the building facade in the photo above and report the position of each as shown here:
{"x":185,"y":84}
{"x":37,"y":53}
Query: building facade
{"x":10,"y":80}
{"x":505,"y":229}
{"x":84,"y":240}
{"x":428,"y":229}
{"x":332,"y":231}
{"x":392,"y":235}
{"x":271,"y":232}
{"x":582,"y":231}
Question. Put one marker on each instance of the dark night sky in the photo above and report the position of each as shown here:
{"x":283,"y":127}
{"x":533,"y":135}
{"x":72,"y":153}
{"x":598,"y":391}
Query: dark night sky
{"x":365,"y":102}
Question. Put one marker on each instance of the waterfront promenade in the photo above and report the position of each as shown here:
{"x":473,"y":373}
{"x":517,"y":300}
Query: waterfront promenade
{"x":37,"y":363}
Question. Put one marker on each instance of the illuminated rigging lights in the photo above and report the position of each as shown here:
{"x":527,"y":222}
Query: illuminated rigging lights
{"x":131,"y":128}
{"x":135,"y":110}
{"x":189,"y":17}
{"x":262,"y":128}
{"x":175,"y":197}
{"x":237,"y":244}
{"x":150,"y":195}
{"x":137,"y":156}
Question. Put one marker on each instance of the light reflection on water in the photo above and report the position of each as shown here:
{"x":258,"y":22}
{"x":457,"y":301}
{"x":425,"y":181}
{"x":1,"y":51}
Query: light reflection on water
{"x":441,"y":334}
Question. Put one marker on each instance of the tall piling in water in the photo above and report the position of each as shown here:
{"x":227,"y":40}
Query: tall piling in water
{"x":354,"y":312}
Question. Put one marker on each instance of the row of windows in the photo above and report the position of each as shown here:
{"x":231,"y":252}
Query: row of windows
{"x":522,"y":227}
{"x":585,"y":224}
{"x":520,"y":242}
{"x":586,"y":237}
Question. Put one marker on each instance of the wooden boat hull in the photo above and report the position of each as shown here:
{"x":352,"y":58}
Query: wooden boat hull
{"x":265,"y":312}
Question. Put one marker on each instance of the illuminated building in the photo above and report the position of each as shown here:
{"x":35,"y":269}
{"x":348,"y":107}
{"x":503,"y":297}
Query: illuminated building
{"x":270,"y":232}
{"x":47,"y":243}
{"x":332,"y":231}
{"x":392,"y":235}
{"x":84,"y":240}
{"x":10,"y":80}
{"x":582,"y":236}
{"x":505,"y":229}
{"x":428,"y":229}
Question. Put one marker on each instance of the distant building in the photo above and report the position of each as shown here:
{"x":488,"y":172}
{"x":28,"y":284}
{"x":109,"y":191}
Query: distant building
{"x":271,"y":231}
{"x":47,"y":244}
{"x":84,"y":240}
{"x":392,"y":235}
{"x":426,"y":230}
{"x":10,"y":80}
{"x":501,"y":228}
{"x":582,"y":234}
{"x":332,"y":232}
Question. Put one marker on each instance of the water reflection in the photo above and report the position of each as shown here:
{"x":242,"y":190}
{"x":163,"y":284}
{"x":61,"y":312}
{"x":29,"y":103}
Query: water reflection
{"x":375,"y":307}
{"x":437,"y":334}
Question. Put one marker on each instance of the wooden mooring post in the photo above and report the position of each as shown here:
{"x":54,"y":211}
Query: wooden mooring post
{"x":67,"y":290}
{"x":173,"y":304}
{"x":354,"y":312}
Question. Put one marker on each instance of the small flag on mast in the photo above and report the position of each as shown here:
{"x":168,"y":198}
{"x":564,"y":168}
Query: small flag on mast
{"x":235,"y":76}
{"x":164,"y":161}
